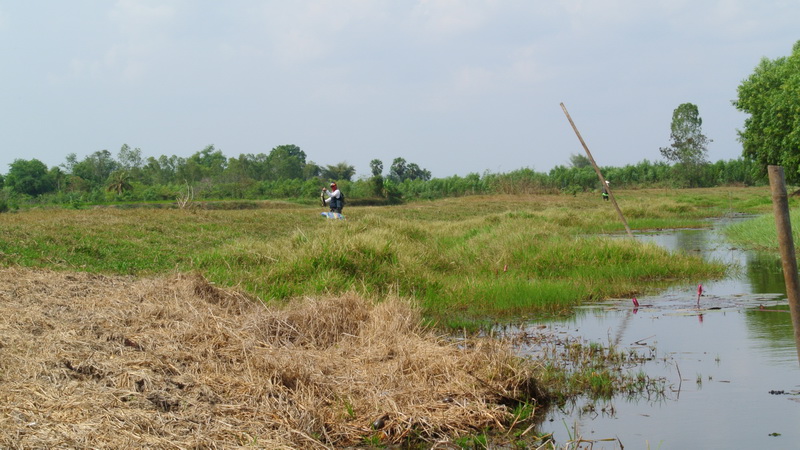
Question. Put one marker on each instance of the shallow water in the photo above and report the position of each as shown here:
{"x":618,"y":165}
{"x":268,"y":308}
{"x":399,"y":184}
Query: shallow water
{"x":724,"y":362}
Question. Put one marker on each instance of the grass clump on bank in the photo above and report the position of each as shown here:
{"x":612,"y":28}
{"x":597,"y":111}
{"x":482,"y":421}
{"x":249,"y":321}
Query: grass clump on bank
{"x":461,"y":259}
{"x":760,"y":233}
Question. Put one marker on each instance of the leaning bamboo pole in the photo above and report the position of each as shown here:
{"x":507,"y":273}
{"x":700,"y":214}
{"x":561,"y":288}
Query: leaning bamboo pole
{"x":599,"y":174}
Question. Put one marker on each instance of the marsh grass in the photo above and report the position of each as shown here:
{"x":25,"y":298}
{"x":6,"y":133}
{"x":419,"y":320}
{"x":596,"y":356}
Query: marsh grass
{"x":170,"y":358}
{"x":461,"y":259}
{"x":760,"y":233}
{"x":575,"y":367}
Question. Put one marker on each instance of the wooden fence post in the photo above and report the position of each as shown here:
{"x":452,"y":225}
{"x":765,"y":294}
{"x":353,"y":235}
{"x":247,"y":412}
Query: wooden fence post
{"x":780,"y":205}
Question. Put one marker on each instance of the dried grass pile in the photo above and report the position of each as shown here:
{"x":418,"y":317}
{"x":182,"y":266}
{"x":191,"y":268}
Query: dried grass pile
{"x":96,"y":361}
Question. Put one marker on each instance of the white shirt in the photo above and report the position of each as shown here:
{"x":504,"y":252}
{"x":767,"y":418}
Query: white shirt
{"x":332,"y":194}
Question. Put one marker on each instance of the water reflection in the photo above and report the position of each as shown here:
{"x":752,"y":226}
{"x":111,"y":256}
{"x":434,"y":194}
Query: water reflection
{"x":721,"y":361}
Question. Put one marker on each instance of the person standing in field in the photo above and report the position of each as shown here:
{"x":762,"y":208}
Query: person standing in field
{"x":605,"y":191}
{"x":335,"y":198}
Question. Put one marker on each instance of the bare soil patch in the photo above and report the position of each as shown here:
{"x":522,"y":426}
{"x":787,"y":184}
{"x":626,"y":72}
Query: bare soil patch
{"x":106,"y":361}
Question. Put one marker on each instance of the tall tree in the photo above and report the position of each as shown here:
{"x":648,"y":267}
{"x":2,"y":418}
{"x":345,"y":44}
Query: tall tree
{"x":340,"y":171}
{"x":129,"y":159}
{"x":311,"y":170}
{"x":578,"y":161}
{"x":415,"y":172}
{"x":689,"y":145}
{"x":96,"y":167}
{"x":119,"y":182}
{"x":257,"y":166}
{"x":771,"y":95}
{"x":162,"y":170}
{"x":29,"y":177}
{"x":207,"y":163}
{"x":402,"y":170}
{"x":376,"y":166}
{"x":286,"y":162}
{"x":397,"y":171}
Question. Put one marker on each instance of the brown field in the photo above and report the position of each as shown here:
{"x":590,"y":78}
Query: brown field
{"x":114,"y":362}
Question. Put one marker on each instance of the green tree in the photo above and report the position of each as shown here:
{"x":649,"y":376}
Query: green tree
{"x":689,"y":145}
{"x":119,"y":182}
{"x":286,"y":162}
{"x":415,"y":172}
{"x":237,"y":170}
{"x":58,"y":177}
{"x":340,"y":171}
{"x":208,"y":163}
{"x":162,"y":170}
{"x":578,"y":161}
{"x":401,"y":170}
{"x":95,"y":168}
{"x":771,"y":96}
{"x":397,"y":171}
{"x":311,"y":170}
{"x":29,"y":177}
{"x":376,"y":166}
{"x":256,"y":165}
{"x":69,"y":164}
{"x":130,"y":159}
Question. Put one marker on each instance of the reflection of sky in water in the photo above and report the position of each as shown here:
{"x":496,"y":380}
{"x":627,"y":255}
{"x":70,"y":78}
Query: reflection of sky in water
{"x":738,"y":351}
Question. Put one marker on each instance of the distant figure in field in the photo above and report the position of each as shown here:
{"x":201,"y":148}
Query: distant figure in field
{"x":605,"y":191}
{"x":335,"y":198}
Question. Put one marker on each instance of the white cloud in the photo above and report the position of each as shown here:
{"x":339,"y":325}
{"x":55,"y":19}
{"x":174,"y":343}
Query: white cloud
{"x":138,"y":17}
{"x":450,"y":18}
{"x":419,"y":71}
{"x":306,"y":31}
{"x":137,"y":34}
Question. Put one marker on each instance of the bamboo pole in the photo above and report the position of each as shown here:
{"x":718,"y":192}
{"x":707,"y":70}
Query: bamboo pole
{"x":599,"y":174}
{"x":780,"y":206}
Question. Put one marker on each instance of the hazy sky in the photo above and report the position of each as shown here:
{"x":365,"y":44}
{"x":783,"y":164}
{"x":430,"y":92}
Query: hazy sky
{"x":454,"y":86}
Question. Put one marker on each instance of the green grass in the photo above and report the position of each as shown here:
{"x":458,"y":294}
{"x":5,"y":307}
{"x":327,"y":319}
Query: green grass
{"x":463,"y":259}
{"x":760,"y":233}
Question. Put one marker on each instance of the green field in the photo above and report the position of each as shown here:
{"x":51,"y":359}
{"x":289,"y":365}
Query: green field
{"x":462,"y":259}
{"x":135,"y":315}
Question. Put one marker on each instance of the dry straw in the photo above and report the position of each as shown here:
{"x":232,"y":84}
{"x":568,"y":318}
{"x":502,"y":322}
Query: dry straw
{"x":112,"y":362}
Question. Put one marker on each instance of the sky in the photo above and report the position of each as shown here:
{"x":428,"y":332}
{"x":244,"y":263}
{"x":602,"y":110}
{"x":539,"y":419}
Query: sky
{"x":457,"y":87}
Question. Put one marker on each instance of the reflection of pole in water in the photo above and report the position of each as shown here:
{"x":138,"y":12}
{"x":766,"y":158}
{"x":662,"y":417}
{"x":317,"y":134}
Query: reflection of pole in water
{"x":626,"y":320}
{"x":780,"y":205}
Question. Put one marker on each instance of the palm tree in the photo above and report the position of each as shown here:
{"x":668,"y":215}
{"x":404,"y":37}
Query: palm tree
{"x":119,"y":182}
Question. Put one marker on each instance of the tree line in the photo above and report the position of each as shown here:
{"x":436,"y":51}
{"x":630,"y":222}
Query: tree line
{"x":771,"y":135}
{"x":101,"y":178}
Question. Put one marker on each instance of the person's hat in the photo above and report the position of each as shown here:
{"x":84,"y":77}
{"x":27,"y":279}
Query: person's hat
{"x":333,"y":184}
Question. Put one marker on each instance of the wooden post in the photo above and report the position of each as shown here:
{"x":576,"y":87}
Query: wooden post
{"x":599,"y":174}
{"x":780,"y":205}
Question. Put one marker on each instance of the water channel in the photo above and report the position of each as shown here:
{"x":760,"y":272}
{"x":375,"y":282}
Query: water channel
{"x":730,"y":366}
